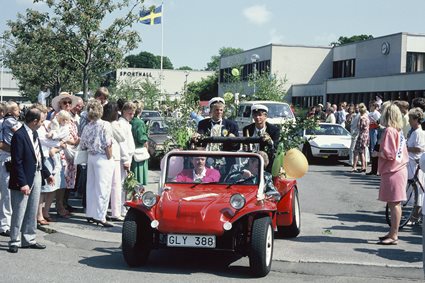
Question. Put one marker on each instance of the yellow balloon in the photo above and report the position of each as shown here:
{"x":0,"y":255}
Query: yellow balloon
{"x":228,"y":96}
{"x":295,"y":163}
{"x":235,"y":72}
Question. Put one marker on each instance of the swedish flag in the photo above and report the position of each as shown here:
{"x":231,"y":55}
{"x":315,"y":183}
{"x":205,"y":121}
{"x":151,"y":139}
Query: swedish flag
{"x":151,"y":17}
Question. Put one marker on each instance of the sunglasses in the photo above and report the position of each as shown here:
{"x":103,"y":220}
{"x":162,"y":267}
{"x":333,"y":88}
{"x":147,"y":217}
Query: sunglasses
{"x":66,"y":102}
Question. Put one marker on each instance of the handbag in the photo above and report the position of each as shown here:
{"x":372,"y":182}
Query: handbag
{"x":141,"y":154}
{"x":81,"y":156}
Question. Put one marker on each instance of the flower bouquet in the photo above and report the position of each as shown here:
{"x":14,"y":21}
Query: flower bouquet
{"x":133,"y":189}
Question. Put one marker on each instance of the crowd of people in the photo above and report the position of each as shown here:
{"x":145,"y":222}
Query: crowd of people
{"x":391,"y":135}
{"x":45,"y":144}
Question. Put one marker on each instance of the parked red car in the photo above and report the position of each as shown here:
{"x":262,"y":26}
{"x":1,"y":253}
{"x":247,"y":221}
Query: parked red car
{"x":222,"y":209}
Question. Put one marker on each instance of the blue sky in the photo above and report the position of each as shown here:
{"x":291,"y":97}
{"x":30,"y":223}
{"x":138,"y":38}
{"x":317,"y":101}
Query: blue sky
{"x":194,"y":30}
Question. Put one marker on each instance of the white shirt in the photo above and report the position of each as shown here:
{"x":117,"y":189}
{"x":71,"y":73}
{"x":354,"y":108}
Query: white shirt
{"x":331,"y":118}
{"x":127,"y":146}
{"x":42,"y":96}
{"x":29,"y":132}
{"x":200,"y":176}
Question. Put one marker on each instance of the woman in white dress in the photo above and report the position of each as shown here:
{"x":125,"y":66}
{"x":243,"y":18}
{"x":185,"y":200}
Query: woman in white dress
{"x":415,"y":148}
{"x":97,"y":140}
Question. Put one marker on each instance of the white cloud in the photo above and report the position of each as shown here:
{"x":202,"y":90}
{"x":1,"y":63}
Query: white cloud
{"x":257,"y":14}
{"x":275,"y":37}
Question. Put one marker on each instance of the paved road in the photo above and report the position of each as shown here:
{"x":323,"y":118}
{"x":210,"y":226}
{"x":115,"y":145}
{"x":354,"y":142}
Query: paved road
{"x":341,"y":220}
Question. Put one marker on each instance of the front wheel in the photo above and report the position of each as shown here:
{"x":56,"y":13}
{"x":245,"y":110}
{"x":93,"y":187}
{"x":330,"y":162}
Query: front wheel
{"x":261,"y":253}
{"x":137,"y":238}
{"x":407,"y":207}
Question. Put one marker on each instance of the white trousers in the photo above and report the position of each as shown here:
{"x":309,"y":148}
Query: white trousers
{"x":123,"y":193}
{"x":5,"y":206}
{"x":352,"y":145}
{"x":116,"y":200}
{"x":99,"y":182}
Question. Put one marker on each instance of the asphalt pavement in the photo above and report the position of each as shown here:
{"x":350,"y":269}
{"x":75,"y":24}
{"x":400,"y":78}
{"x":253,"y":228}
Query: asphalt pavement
{"x":329,"y":235}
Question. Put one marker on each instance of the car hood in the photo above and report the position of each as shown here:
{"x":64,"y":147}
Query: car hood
{"x":331,"y":141}
{"x":279,"y":120}
{"x":158,"y":139}
{"x":202,"y":209}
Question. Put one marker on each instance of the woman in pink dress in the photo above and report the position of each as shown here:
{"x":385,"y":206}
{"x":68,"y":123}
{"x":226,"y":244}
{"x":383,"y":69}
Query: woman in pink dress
{"x":392,"y":165}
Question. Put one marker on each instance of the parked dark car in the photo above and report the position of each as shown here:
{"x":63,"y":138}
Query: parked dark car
{"x":158,"y":137}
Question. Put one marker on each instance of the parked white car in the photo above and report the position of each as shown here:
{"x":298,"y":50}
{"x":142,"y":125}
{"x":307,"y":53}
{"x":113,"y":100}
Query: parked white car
{"x":326,"y":141}
{"x":279,"y":112}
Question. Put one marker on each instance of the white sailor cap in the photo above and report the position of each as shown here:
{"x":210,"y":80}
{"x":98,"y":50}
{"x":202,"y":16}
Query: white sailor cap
{"x":259,"y":107}
{"x":215,"y":100}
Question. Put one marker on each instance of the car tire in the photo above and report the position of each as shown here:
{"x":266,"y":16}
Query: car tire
{"x":137,"y":238}
{"x":261,"y":252}
{"x":294,"y":229}
{"x":307,"y":152}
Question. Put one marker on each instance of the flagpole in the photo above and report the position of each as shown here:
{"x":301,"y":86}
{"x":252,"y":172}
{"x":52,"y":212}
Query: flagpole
{"x":162,"y":49}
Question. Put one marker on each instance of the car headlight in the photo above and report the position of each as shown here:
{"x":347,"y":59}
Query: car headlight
{"x":149,"y":199}
{"x":237,"y":201}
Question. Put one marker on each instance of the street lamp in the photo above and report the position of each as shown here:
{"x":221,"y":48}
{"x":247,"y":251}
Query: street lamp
{"x":186,"y":73}
{"x":254,"y":59}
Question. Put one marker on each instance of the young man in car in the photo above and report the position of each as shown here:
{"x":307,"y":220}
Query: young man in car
{"x":218,"y":126}
{"x":269,"y":132}
{"x":250,"y":171}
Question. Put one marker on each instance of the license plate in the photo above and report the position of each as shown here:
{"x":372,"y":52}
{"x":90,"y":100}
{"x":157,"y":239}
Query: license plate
{"x":192,"y":241}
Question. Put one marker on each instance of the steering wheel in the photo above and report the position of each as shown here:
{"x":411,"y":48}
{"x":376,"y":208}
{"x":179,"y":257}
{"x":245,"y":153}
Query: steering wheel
{"x":232,"y":174}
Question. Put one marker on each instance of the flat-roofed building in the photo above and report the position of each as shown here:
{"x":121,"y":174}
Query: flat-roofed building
{"x":174,"y":82}
{"x":390,"y":66}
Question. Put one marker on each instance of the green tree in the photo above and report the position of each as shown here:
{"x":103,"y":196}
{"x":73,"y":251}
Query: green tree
{"x":148,"y":60}
{"x":355,"y":38}
{"x":214,"y":65}
{"x":80,"y":36}
{"x":34,"y":51}
{"x":205,"y":89}
{"x":267,"y":87}
{"x":133,"y":88}
{"x":184,"y":68}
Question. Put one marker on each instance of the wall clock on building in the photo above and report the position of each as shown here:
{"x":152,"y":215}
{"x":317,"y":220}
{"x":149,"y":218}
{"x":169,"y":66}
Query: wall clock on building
{"x":385,"y":48}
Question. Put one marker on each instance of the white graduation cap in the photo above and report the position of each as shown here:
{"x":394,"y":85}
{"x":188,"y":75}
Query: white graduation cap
{"x":259,"y":107}
{"x":215,"y":100}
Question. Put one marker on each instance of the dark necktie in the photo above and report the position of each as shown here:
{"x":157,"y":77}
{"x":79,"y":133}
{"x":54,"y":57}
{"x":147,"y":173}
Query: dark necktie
{"x":36,"y":147}
{"x":215,"y":123}
{"x":34,"y":136}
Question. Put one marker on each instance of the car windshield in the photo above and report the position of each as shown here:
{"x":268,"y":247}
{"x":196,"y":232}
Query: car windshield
{"x":150,"y":114}
{"x":328,"y":130}
{"x":279,"y":111}
{"x":157,"y":127}
{"x":213,"y":169}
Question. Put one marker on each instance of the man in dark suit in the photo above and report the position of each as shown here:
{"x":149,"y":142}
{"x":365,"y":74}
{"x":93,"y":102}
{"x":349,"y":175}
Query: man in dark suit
{"x":26,"y":178}
{"x":218,"y":126}
{"x":269,"y":132}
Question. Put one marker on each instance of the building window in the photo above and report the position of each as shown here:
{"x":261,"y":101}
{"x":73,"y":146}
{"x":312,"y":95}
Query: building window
{"x":344,"y":68}
{"x":415,"y":62}
{"x":246,"y":71}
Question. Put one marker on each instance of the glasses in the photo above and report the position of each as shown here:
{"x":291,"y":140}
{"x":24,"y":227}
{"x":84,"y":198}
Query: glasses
{"x":66,"y":102}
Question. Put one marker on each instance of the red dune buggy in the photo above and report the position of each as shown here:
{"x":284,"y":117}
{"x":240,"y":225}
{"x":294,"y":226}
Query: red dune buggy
{"x":221,"y":208}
